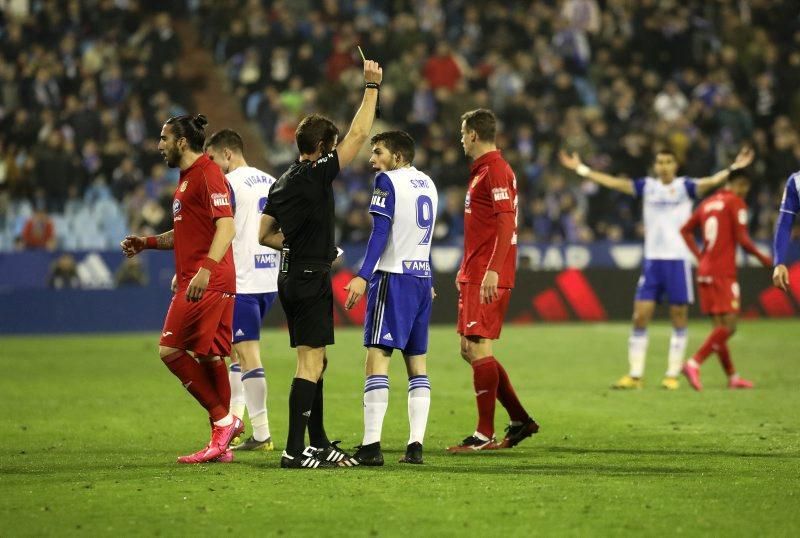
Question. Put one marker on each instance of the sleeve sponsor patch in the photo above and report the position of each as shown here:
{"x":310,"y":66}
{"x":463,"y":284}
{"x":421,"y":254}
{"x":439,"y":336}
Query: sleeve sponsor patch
{"x":742,"y":217}
{"x":500,"y":193}
{"x":379,"y":198}
{"x":220,"y":199}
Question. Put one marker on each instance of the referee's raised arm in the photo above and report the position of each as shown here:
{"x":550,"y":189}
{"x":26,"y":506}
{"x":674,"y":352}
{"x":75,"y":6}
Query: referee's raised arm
{"x":352,"y":143}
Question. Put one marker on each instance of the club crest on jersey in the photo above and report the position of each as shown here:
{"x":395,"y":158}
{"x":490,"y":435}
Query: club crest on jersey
{"x":219,"y":199}
{"x":183,"y":186}
{"x":474,"y":182}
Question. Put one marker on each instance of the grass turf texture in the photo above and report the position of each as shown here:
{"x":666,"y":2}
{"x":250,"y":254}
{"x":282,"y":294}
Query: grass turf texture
{"x":92,"y":426}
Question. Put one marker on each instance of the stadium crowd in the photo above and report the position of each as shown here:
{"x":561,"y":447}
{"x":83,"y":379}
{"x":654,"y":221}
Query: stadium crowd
{"x":81,"y":103}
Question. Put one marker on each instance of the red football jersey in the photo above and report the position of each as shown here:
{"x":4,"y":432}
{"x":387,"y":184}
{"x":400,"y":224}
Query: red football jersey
{"x":492,"y":190}
{"x":201,"y":198}
{"x":722,"y":218}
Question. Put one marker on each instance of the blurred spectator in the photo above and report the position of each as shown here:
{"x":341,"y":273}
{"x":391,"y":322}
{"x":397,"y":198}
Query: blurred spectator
{"x":38,"y":232}
{"x":131,"y":273}
{"x":64,"y":273}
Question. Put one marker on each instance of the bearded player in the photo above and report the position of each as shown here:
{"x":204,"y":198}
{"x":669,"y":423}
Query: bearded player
{"x":197,"y":329}
{"x":485,"y":280}
{"x":722,"y":220}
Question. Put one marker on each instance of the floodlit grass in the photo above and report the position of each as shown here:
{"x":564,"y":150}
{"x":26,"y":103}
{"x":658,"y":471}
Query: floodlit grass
{"x":92,"y":426}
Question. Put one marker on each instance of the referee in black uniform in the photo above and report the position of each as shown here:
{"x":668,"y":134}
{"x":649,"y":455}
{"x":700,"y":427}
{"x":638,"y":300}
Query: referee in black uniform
{"x":299,"y":220}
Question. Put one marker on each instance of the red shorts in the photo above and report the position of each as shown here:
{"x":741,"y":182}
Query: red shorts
{"x":476,"y":319}
{"x":718,"y":295}
{"x":203,"y":327}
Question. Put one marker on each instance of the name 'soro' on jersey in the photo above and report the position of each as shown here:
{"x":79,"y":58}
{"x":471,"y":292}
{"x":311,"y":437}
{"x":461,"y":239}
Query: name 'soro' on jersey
{"x":409,"y":199}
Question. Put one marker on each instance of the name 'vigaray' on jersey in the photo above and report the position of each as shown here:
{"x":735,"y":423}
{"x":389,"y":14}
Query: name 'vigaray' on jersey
{"x":202,"y":196}
{"x":256,"y":265}
{"x":666,"y":206}
{"x":409,"y":199}
{"x":492,"y":190}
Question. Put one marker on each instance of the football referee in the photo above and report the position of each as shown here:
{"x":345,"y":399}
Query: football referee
{"x":298,"y":219}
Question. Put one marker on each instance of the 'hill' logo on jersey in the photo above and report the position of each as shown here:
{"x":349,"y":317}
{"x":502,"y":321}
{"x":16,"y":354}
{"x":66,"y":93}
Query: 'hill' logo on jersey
{"x":417,"y":267}
{"x":379,"y":198}
{"x":266,"y":261}
{"x":500,"y":193}
{"x":219,"y":199}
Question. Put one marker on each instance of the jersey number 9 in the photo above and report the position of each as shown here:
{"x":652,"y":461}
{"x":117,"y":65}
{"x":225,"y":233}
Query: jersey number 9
{"x":425,"y":218}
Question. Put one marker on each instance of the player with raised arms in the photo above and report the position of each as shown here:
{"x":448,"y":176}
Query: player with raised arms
{"x":256,"y":284}
{"x":398,"y":271}
{"x":722,"y":220}
{"x":201,"y":312}
{"x":485,"y":280}
{"x":666,"y":272}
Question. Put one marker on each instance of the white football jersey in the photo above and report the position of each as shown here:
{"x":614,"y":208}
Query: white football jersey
{"x":665,"y":209}
{"x":409,"y":198}
{"x":256,"y":266}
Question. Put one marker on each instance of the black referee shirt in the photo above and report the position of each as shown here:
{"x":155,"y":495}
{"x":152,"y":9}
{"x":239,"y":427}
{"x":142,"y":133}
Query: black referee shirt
{"x":302,"y":203}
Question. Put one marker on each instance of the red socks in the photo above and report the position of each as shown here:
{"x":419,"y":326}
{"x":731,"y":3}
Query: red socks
{"x":715,"y":341}
{"x":491,"y":382}
{"x":725,"y":359}
{"x":194,"y":378}
{"x":485,"y":378}
{"x":217,"y":373}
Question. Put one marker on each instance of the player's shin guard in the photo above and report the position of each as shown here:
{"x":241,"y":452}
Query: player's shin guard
{"x":255,"y":395}
{"x":316,"y":424}
{"x":508,"y":396}
{"x":301,"y":399}
{"x":637,"y":351}
{"x":376,"y":401}
{"x":217,"y":374}
{"x":194,"y":379}
{"x":419,"y":403}
{"x":677,"y":351}
{"x":237,"y":389}
{"x":485,"y":379}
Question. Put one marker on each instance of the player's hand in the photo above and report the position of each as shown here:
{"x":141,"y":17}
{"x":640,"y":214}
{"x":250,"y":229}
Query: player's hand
{"x":198,"y":285}
{"x":572,"y":161}
{"x":489,"y":287}
{"x":373,"y":72}
{"x":744,"y":158}
{"x":174,"y":285}
{"x":433,"y":294}
{"x":355,"y":288}
{"x":132,"y":245}
{"x":780,"y":277}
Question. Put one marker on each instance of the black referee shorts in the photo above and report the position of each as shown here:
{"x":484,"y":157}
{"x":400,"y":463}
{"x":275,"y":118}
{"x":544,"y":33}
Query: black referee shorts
{"x":307,"y":299}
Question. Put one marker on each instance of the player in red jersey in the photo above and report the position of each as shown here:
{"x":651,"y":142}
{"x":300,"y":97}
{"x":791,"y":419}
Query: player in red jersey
{"x":200,"y":315}
{"x":722,"y":218}
{"x":485,"y":280}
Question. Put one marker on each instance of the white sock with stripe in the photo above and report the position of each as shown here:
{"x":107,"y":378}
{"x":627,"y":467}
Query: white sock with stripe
{"x":255,"y":395}
{"x":677,"y":351}
{"x":376,"y":401}
{"x":237,"y":389}
{"x":419,"y":403}
{"x":637,"y":351}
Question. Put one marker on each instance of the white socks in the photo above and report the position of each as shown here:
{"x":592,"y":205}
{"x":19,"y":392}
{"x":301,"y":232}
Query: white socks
{"x":255,"y":396}
{"x":237,"y":390}
{"x":376,"y":401}
{"x":419,"y":403}
{"x":637,"y":351}
{"x":677,"y":351}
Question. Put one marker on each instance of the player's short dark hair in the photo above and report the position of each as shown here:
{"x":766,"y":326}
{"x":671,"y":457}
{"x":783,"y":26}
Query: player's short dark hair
{"x":396,"y":142}
{"x":226,"y":138}
{"x":666,"y":151}
{"x":739,"y":174}
{"x":192,"y":128}
{"x":313,"y":130}
{"x":483,"y":122}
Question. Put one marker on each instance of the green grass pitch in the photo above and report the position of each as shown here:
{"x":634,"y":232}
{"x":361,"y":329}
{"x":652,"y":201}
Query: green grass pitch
{"x":92,"y":425}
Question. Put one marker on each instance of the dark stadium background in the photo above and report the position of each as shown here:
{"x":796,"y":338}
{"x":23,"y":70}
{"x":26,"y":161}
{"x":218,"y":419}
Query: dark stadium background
{"x":85,"y":87}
